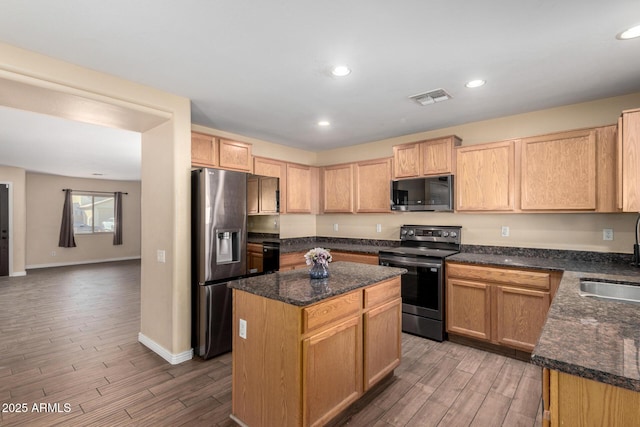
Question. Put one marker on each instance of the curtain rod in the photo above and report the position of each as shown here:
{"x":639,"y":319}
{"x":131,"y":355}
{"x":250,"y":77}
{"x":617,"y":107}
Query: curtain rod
{"x":91,"y":191}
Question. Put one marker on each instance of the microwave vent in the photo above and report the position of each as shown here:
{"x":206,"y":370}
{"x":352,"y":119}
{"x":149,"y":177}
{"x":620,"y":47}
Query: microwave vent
{"x":431,"y":97}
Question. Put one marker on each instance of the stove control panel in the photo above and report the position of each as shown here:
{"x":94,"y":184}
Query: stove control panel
{"x":428,"y":233}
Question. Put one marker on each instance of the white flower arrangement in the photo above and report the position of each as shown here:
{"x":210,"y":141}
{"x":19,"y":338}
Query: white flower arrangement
{"x":318,"y":256}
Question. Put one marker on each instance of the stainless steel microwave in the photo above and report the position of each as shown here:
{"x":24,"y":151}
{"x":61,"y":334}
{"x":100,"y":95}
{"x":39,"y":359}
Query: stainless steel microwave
{"x":422,"y":194}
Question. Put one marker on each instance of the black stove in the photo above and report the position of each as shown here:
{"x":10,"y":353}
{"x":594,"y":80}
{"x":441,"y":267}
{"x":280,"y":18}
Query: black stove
{"x":422,"y":251}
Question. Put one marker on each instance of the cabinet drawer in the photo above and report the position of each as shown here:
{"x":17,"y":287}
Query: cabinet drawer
{"x":528,"y":278}
{"x":329,"y":311}
{"x":379,"y":294}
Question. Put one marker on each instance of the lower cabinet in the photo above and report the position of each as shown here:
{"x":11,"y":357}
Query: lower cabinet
{"x":503,"y":306}
{"x":254,"y":258}
{"x":302,"y":366}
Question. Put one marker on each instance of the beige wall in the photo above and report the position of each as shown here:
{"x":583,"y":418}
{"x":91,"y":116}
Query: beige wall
{"x":44,"y":209}
{"x":16,"y":178}
{"x":263,"y":224}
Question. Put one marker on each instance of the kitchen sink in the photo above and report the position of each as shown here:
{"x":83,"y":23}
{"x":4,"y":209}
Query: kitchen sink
{"x":617,"y":291}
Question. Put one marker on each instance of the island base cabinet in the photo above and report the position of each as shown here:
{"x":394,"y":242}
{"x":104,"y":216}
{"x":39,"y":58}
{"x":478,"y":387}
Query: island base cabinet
{"x":332,"y":366}
{"x":383,"y":340}
{"x":580,"y":402}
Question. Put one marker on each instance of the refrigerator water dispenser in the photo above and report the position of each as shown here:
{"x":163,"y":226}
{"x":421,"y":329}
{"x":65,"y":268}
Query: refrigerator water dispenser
{"x":228,"y":246}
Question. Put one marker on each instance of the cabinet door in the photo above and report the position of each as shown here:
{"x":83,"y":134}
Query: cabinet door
{"x":203,"y":150}
{"x":485,"y":177}
{"x":406,"y":160}
{"x":469,"y":308}
{"x":338,"y":188}
{"x":373,"y":185}
{"x":235,"y":155}
{"x":559,"y":171}
{"x":437,"y":156}
{"x":332,"y":371}
{"x":519,"y":316}
{"x":606,"y":142}
{"x":253,"y":191}
{"x":302,"y":188}
{"x":382,"y":341}
{"x":277,"y":169}
{"x":630,"y":156}
{"x":268,"y":195}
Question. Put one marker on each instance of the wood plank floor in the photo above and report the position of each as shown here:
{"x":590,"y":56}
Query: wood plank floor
{"x":69,"y":356}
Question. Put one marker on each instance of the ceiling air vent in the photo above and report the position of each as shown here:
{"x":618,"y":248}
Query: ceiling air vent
{"x":431,"y":97}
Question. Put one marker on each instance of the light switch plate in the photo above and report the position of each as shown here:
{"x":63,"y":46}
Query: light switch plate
{"x":379,"y":228}
{"x":335,"y":227}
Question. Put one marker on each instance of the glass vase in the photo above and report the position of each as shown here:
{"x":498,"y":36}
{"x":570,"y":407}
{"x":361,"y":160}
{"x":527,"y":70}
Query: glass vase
{"x":318,"y":271}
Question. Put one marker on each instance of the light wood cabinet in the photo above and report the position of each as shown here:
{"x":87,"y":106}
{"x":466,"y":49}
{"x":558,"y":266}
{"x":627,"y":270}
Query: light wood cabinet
{"x":354,"y":257}
{"x":212,"y":152}
{"x":276,"y":169}
{"x":373,"y":186}
{"x":425,"y":158}
{"x":486,"y":177}
{"x":253,"y":195}
{"x":254,"y":258}
{"x":204,"y":150}
{"x":302,"y":366}
{"x":337,"y":188}
{"x":559,"y":171}
{"x":581,"y":402}
{"x":628,"y":178}
{"x":503,"y":306}
{"x":235,"y":155}
{"x":302,"y":188}
{"x":606,"y":191}
{"x":469,"y":308}
{"x":292,"y":261}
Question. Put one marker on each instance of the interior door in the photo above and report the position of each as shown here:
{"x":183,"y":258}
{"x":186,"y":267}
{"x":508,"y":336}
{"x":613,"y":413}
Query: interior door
{"x":4,"y":230}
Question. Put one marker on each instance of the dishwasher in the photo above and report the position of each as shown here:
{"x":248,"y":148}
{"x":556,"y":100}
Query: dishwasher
{"x":270,"y":257}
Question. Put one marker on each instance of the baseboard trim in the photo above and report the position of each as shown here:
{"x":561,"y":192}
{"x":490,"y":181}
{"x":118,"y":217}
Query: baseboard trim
{"x":174,"y":359}
{"x":18,"y":274}
{"x":94,"y":261}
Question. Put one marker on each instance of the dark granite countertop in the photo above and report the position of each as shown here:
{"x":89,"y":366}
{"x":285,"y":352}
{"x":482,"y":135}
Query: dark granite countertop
{"x":296,"y":288}
{"x":589,"y":338}
{"x":345,"y":247}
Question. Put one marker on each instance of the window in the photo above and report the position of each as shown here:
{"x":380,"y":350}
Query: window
{"x":92,"y":214}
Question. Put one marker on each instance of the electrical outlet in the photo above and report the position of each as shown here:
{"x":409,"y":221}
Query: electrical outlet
{"x":243,"y":329}
{"x":607,"y":234}
{"x":160,"y":256}
{"x":53,"y":253}
{"x":505,"y":231}
{"x":335,"y":227}
{"x":378,"y":228}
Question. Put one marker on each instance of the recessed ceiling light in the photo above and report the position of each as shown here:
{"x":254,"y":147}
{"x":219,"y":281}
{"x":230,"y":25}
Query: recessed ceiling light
{"x":97,"y":174}
{"x":475,"y":83}
{"x":340,"y":71}
{"x":631,"y":33}
{"x":323,"y":123}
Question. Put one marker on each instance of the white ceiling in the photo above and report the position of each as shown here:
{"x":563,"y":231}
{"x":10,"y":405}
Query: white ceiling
{"x":261,"y":69}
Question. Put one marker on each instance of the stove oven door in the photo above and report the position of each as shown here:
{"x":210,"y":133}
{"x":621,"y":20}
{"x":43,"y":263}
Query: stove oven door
{"x":422,"y":286}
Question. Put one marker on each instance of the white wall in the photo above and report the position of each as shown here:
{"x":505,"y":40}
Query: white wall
{"x":44,"y":212}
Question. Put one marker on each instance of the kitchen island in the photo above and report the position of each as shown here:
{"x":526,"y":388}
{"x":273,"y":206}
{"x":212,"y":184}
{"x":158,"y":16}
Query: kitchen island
{"x":305,"y":350}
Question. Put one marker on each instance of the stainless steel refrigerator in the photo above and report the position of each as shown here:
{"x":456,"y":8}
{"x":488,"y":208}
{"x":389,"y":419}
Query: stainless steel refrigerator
{"x":219,"y":236}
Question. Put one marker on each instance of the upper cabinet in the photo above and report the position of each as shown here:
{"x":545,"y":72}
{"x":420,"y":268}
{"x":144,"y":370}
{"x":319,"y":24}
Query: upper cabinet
{"x":431,"y":157}
{"x":373,"y":182}
{"x":235,"y":155}
{"x":212,"y":152}
{"x":302,"y":188}
{"x":337,"y":184}
{"x":276,"y":169}
{"x":485,"y":177}
{"x":204,"y":150}
{"x":559,"y":171}
{"x":262,"y":195}
{"x":629,"y":161}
